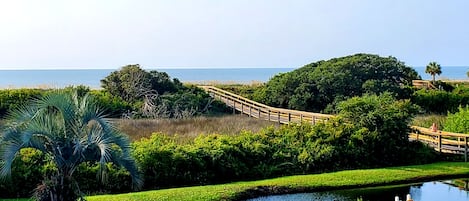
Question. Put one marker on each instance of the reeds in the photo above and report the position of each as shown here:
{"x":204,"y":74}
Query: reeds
{"x":427,"y":121}
{"x":187,"y":129}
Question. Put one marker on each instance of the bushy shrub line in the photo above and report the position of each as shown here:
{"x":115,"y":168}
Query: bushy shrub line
{"x":440,"y":101}
{"x":191,"y":99}
{"x":13,"y":98}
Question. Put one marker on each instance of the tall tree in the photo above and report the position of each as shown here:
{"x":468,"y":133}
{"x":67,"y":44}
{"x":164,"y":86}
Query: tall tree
{"x":71,"y":129}
{"x":433,"y":69}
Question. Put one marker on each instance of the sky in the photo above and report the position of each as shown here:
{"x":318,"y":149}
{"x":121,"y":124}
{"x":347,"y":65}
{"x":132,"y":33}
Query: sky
{"x":228,"y":33}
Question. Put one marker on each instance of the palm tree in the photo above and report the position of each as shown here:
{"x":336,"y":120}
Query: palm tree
{"x":71,"y":130}
{"x":433,"y":69}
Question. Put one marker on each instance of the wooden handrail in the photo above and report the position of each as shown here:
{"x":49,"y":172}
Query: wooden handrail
{"x":442,"y":141}
{"x":292,"y":115}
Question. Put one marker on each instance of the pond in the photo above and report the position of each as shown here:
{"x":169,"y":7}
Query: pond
{"x":451,"y":190}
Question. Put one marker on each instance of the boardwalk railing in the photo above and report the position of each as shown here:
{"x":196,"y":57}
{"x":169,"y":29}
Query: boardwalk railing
{"x":445,"y":142}
{"x":261,"y":111}
{"x":441,"y":141}
{"x":423,"y":84}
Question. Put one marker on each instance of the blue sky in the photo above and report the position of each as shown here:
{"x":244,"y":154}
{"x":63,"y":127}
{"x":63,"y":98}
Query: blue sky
{"x":228,"y":33}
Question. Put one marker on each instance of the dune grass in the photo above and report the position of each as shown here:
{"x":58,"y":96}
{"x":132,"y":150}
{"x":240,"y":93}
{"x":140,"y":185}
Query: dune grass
{"x":187,"y":129}
{"x":301,"y":183}
{"x":427,"y":120}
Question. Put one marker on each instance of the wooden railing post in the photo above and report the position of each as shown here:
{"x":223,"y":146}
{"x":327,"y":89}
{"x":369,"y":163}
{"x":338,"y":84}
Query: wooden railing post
{"x":269,"y":115}
{"x":259,"y":112}
{"x":301,"y":118}
{"x":465,"y":149}
{"x":242,"y":108}
{"x":439,"y":142}
{"x":289,"y":117}
{"x":278,"y":116}
{"x":313,"y":120}
{"x":234,"y":107}
{"x":250,"y":111}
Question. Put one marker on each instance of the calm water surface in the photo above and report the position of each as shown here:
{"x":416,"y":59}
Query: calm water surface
{"x":92,"y":77}
{"x":452,"y":190}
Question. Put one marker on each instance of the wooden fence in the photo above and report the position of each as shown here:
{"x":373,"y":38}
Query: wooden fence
{"x":441,"y":141}
{"x":444,"y":142}
{"x":423,"y":84}
{"x":261,"y":111}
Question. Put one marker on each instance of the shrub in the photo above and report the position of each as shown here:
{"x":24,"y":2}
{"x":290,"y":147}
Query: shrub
{"x":12,"y":98}
{"x":459,"y":121}
{"x":440,"y":101}
{"x":383,"y":123}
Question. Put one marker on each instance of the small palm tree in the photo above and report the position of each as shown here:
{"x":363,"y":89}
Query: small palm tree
{"x":433,"y":69}
{"x":71,"y":130}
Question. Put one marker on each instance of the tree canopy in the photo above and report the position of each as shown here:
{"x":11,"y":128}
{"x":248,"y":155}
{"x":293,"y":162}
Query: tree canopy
{"x":132,"y":83}
{"x":318,"y":85}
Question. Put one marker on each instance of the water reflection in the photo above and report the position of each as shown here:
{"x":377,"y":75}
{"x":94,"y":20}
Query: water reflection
{"x":451,"y":190}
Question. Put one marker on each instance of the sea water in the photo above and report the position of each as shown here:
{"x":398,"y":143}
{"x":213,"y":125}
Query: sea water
{"x":91,"y":77}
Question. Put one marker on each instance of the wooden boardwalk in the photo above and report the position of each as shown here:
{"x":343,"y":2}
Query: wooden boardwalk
{"x":444,"y":142}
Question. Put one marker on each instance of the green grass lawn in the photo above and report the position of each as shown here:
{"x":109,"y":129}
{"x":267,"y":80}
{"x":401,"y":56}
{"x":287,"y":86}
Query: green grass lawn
{"x":342,"y":179}
{"x":334,"y":180}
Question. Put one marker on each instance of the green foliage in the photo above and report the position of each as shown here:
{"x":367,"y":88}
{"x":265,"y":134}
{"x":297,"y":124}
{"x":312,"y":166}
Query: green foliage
{"x":13,"y":98}
{"x":70,"y":130}
{"x":114,"y":106}
{"x":384,"y":126}
{"x":154,"y":95}
{"x":314,"y":86}
{"x":132,"y":83}
{"x":28,"y":167}
{"x":244,"y":90}
{"x":459,"y":121}
{"x":440,"y":101}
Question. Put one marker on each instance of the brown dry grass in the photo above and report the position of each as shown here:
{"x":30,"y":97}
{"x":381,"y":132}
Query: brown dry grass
{"x":190,"y":128}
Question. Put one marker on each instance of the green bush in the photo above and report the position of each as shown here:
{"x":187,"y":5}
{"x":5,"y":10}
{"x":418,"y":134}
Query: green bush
{"x":27,"y":173}
{"x":12,"y":98}
{"x":459,"y":121}
{"x":383,"y":123}
{"x":440,"y":101}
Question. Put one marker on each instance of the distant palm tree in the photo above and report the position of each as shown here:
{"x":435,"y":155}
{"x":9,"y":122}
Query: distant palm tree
{"x":71,"y":130}
{"x":433,"y":69}
{"x":467,"y":74}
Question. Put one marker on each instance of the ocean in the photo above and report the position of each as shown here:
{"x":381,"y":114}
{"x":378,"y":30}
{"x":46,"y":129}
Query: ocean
{"x":91,"y":77}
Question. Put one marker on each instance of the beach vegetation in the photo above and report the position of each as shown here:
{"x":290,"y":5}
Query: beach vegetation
{"x":69,"y":130}
{"x":321,"y":85}
{"x":458,"y":122}
{"x":441,"y":101}
{"x":153,"y":94}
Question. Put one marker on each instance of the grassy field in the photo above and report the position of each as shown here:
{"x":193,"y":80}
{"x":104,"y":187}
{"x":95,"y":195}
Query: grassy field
{"x":427,"y":120}
{"x":301,"y":183}
{"x":190,"y":128}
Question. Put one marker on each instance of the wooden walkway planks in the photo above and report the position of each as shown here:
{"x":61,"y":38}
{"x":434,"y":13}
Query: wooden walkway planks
{"x":444,"y":142}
